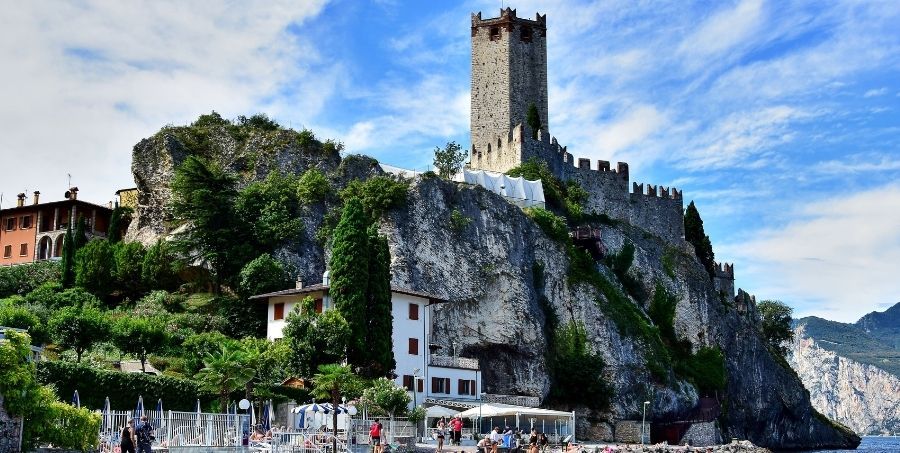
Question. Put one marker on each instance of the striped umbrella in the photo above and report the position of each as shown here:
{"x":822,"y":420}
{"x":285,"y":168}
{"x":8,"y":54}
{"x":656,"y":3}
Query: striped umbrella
{"x":76,"y":400}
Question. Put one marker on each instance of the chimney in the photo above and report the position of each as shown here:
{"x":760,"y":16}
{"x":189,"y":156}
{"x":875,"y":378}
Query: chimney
{"x":21,"y":201}
{"x":37,"y":196}
{"x":74,"y":192}
{"x":299,"y":282}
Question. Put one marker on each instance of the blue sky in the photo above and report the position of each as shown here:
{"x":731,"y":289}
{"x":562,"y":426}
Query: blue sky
{"x":780,"y":119}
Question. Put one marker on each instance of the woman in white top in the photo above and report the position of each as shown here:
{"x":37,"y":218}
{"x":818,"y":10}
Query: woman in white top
{"x":441,"y":432}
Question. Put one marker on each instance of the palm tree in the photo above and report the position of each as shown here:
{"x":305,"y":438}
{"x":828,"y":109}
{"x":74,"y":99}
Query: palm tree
{"x":330,"y":382}
{"x":224,"y":372}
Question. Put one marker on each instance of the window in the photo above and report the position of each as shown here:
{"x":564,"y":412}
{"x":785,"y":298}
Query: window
{"x":7,"y":251}
{"x":10,"y":223}
{"x":318,"y":306}
{"x":23,"y":250}
{"x":421,"y":383}
{"x":525,"y":34}
{"x":495,"y":33}
{"x":414,"y":312}
{"x":279,"y":311}
{"x":440,"y":385}
{"x":26,"y":222}
{"x":414,"y":346}
{"x":466,"y":386}
{"x":408,"y":382}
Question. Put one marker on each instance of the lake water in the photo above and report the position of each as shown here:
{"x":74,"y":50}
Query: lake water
{"x":874,"y":445}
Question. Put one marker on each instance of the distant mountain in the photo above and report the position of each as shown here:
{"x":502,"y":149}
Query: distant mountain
{"x":883,"y":325}
{"x":874,"y":345}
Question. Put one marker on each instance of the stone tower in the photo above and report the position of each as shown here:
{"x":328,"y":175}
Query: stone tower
{"x":509,"y":73}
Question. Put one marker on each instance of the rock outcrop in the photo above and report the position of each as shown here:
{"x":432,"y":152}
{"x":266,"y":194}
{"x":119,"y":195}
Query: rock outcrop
{"x":863,"y":397}
{"x":497,"y":269}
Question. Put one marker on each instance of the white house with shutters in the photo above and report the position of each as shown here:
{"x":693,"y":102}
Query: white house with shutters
{"x":428,"y":375}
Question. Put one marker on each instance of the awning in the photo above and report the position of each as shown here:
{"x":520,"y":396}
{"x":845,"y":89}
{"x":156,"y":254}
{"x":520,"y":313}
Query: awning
{"x":439,"y":411}
{"x":500,"y":410}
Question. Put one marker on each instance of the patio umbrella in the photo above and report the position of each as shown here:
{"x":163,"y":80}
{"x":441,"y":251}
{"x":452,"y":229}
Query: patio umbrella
{"x":106,"y":416}
{"x":266,"y":421}
{"x":252,"y":417}
{"x":159,"y":412}
{"x":76,"y":400}
{"x":198,"y":414}
{"x":139,"y":410}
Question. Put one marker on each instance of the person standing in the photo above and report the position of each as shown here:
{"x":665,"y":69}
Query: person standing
{"x":375,"y":436}
{"x":496,"y":439}
{"x":456,"y":424}
{"x":441,"y":430}
{"x":127,"y":442}
{"x":144,"y":434}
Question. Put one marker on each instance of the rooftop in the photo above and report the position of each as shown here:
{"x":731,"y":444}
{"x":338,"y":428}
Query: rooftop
{"x":320,"y":287}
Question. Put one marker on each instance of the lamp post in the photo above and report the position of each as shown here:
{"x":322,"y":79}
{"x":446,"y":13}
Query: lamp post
{"x":644,"y":421}
{"x":415,"y":378}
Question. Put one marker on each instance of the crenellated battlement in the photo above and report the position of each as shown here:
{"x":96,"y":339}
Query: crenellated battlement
{"x":656,"y":191}
{"x":724,"y":270}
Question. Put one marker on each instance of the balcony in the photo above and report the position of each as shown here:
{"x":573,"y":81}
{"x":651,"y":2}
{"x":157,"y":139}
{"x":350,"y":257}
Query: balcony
{"x":454,"y":362}
{"x":515,"y":400}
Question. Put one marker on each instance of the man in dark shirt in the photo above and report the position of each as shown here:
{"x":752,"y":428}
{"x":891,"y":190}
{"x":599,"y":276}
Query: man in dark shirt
{"x":144,"y":434}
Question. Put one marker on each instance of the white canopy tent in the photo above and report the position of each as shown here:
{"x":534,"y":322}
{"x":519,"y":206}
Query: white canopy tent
{"x":520,"y":191}
{"x":561,"y":423}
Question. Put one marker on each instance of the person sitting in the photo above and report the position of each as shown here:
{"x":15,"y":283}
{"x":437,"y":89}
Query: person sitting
{"x":484,"y":445}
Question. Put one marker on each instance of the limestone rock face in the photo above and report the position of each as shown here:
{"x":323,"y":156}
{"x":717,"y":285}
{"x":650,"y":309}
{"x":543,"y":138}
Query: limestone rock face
{"x":495,"y":270}
{"x":863,"y":397}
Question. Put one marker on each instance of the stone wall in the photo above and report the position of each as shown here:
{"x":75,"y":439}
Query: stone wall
{"x":724,"y":280}
{"x":629,"y":431}
{"x":702,"y":434}
{"x":10,"y":430}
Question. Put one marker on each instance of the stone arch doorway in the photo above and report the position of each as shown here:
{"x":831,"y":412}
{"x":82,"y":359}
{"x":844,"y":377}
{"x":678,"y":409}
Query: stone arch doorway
{"x":58,"y":245}
{"x":45,"y":248}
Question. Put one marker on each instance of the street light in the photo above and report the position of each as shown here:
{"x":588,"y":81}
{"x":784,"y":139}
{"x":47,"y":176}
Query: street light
{"x":644,"y":421}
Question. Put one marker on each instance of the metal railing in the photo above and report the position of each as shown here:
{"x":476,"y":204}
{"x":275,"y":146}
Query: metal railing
{"x":453,"y":362}
{"x":516,"y":400}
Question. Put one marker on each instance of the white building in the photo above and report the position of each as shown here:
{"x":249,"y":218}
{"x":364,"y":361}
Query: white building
{"x":422,"y":370}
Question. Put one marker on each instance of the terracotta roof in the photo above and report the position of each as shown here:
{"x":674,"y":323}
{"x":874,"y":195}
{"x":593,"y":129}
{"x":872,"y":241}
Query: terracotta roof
{"x":29,"y":207}
{"x":321,"y":287}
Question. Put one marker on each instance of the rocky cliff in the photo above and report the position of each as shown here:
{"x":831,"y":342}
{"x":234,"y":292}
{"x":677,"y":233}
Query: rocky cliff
{"x":861,"y":396}
{"x":498,"y":268}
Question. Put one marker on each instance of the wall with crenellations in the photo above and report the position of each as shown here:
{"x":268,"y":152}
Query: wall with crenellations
{"x":659,"y":210}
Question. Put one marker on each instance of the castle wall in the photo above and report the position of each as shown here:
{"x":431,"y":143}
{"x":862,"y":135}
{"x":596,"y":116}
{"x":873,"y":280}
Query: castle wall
{"x":659,"y":210}
{"x":724,"y":280}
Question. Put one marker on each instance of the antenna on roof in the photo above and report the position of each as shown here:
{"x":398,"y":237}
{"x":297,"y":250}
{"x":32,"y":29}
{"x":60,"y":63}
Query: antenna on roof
{"x":70,"y":179}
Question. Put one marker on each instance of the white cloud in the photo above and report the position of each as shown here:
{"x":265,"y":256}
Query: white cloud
{"x":91,"y":78}
{"x":629,"y":129}
{"x":858,"y":164}
{"x":875,"y":92}
{"x":723,"y":31}
{"x":836,"y":259}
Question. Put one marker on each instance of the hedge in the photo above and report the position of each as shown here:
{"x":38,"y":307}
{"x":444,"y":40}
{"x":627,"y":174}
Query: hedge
{"x":123,"y":389}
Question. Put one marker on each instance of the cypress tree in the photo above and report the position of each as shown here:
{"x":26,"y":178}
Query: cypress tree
{"x":694,"y":234}
{"x":350,"y":276}
{"x":67,"y":278}
{"x":380,"y":321}
{"x":113,"y":233}
{"x":80,"y":235}
{"x":533,"y":118}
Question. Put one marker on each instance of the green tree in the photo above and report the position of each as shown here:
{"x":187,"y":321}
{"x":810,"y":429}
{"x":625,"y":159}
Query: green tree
{"x":263,"y":274}
{"x":350,"y":277}
{"x":384,"y":396}
{"x":314,"y":339}
{"x":577,"y":372}
{"x":449,"y":161}
{"x":118,"y":222}
{"x":158,"y":267}
{"x":139,"y":337}
{"x":21,"y":317}
{"x":224,"y":371}
{"x":196,"y":347}
{"x":80,"y":235}
{"x":313,"y":187}
{"x":775,"y":324}
{"x":533,"y":119}
{"x":377,"y":194}
{"x":129,"y":262}
{"x":203,"y":197}
{"x":693,"y":233}
{"x":95,"y":267}
{"x":329,"y":383}
{"x":271,"y":208}
{"x":380,"y":321}
{"x":67,"y":277}
{"x":268,"y":360}
{"x":78,"y":328}
{"x":75,"y":297}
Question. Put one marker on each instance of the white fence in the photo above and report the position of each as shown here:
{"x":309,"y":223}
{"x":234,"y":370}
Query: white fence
{"x":179,"y":429}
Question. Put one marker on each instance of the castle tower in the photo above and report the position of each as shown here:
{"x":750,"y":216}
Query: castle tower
{"x":509,"y":73}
